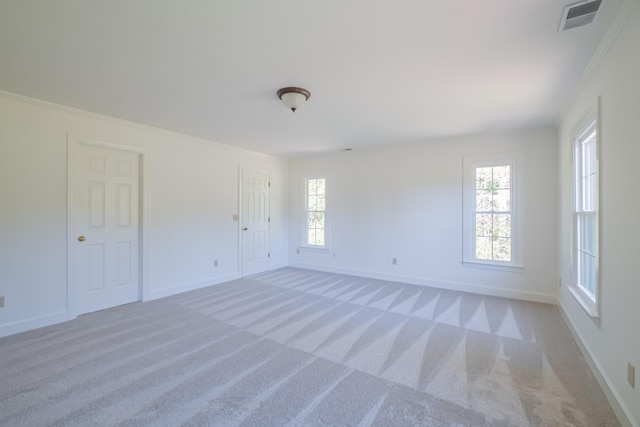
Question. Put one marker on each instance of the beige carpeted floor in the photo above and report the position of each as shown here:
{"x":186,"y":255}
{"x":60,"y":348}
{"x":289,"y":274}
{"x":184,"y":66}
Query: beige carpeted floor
{"x":302,"y":348}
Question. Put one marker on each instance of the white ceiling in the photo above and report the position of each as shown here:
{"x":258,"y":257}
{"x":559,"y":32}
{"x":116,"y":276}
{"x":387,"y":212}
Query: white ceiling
{"x":379,"y":72}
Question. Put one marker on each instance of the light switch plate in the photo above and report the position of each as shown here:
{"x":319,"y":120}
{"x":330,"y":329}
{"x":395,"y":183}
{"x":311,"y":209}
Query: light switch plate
{"x":631,"y":375}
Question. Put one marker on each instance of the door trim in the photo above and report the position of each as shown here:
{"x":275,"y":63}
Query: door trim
{"x":241,"y":169}
{"x":73,"y":142}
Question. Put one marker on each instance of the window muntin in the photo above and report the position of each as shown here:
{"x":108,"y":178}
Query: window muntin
{"x":315,"y":212}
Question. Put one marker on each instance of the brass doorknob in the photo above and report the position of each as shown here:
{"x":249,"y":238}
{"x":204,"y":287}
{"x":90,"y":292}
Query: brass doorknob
{"x":81,"y":238}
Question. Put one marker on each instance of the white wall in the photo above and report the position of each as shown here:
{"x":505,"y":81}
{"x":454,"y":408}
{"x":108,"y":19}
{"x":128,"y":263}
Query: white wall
{"x":613,"y":340}
{"x":405,"y":202}
{"x":192,"y":196}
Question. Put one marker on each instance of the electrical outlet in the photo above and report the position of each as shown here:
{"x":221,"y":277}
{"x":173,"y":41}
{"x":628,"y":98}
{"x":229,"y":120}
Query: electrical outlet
{"x":215,"y":262}
{"x":631,"y":375}
{"x":394,"y":261}
{"x":1,"y":300}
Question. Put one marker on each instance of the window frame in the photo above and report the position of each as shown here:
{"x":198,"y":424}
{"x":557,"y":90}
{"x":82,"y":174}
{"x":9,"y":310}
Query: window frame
{"x":470,"y":165}
{"x":304,"y":230}
{"x":582,"y":131}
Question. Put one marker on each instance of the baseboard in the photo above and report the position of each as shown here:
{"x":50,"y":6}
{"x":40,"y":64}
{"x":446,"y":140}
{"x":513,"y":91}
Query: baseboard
{"x":278,"y":266}
{"x":34,"y":323}
{"x":618,"y":406}
{"x":435,"y":283}
{"x":192,"y":286}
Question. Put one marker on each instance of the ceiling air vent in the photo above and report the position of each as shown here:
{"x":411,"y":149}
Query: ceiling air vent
{"x":579,"y":14}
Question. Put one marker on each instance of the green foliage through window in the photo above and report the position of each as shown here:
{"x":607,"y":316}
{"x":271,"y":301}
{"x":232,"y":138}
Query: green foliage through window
{"x":315,"y":211}
{"x":493,"y":213}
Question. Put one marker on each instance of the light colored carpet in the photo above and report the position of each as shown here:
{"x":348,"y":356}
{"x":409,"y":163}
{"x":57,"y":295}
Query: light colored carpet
{"x":302,"y":348}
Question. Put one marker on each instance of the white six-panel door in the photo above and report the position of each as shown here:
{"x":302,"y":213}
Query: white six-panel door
{"x":105,"y":220}
{"x":255,"y":222}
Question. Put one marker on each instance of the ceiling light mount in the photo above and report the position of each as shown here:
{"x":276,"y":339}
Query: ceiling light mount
{"x":293,"y":97}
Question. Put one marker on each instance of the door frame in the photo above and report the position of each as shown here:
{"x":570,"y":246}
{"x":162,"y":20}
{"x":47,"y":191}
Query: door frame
{"x":73,"y":143}
{"x":241,"y":169}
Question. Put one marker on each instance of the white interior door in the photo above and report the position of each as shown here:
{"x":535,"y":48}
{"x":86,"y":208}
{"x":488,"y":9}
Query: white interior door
{"x":255,"y":222}
{"x":105,"y":216}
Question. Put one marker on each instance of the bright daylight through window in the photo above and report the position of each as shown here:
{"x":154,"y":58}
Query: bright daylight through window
{"x":493,"y":213}
{"x":315,"y":212}
{"x":491,"y":233}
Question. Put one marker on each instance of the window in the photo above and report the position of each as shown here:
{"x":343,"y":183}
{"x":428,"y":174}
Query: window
{"x":585,"y":214}
{"x":493,"y":213}
{"x":315,"y":212}
{"x":491,"y":235}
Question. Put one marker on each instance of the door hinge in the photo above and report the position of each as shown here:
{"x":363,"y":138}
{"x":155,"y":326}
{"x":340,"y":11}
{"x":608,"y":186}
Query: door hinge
{"x":269,"y":183}
{"x":269,"y":255}
{"x":269,"y":219}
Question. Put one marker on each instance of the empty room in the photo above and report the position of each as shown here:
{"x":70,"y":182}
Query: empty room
{"x":297,"y":213}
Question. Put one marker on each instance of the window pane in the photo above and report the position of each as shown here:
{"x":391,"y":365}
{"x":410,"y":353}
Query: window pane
{"x":312,"y":186}
{"x":315,"y":219}
{"x":502,"y":200}
{"x":590,"y":193}
{"x":484,"y":226}
{"x":320,"y":203}
{"x":315,"y":236}
{"x":502,"y":249}
{"x":502,"y":225}
{"x":586,"y":232}
{"x":483,"y":247}
{"x":483,"y":178}
{"x":484,"y":201}
{"x":502,"y":177}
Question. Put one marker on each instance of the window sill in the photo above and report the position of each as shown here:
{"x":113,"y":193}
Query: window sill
{"x":587,"y":303}
{"x":492,"y":266}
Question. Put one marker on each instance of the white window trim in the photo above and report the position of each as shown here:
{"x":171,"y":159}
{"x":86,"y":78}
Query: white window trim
{"x":588,"y":301}
{"x":470,"y":163}
{"x":303,"y":223}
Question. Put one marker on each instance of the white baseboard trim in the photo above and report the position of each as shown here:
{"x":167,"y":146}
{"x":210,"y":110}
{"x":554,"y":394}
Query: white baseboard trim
{"x":278,"y":266}
{"x":192,"y":286}
{"x":616,"y":402}
{"x":435,"y":283}
{"x":34,"y":323}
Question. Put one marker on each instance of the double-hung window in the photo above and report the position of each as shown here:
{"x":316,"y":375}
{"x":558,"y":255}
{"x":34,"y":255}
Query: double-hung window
{"x":585,"y":214}
{"x":315,"y":230}
{"x":491,"y":233}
